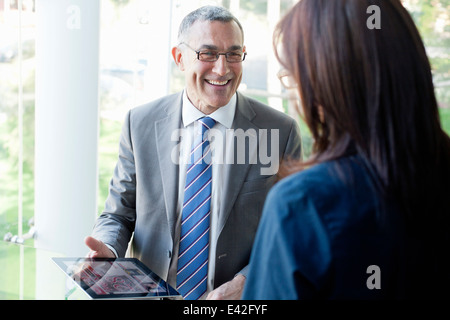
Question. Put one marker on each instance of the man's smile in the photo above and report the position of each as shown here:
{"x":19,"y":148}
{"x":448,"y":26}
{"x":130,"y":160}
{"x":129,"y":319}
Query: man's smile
{"x":218,"y":83}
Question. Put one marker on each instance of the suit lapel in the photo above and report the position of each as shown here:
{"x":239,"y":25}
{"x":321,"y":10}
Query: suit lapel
{"x":166,"y":149}
{"x":235,"y":174}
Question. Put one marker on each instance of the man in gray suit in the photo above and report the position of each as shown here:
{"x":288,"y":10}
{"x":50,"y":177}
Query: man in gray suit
{"x":145,"y":199}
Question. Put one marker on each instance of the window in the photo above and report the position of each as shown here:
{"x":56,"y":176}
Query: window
{"x":127,"y":79}
{"x":17,"y":65}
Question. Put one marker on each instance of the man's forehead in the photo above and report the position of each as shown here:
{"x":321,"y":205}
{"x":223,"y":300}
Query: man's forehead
{"x":211,"y":33}
{"x":235,"y":47}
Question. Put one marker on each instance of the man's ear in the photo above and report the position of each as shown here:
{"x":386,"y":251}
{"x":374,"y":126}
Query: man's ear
{"x":177,"y":55}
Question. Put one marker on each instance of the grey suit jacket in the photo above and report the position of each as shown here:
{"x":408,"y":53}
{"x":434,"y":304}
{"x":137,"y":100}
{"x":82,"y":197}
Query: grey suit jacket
{"x":143,"y":192}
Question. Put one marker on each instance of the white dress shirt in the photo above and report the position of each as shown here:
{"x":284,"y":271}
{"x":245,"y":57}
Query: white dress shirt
{"x":224,"y":119}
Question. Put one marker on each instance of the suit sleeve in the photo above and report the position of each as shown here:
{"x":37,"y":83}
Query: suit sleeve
{"x":116,"y":224}
{"x":271,"y":264}
{"x":293,"y":149}
{"x":291,"y":255}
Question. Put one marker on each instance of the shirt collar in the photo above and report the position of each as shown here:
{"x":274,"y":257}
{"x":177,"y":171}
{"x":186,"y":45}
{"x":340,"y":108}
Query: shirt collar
{"x":224,"y":115}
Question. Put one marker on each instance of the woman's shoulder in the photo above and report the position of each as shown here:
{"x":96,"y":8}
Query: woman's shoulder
{"x":318,"y":176}
{"x":336,"y":178}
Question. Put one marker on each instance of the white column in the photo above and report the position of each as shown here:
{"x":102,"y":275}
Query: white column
{"x":235,"y":7}
{"x":273,"y":84}
{"x":67,"y":51}
{"x":159,"y":57}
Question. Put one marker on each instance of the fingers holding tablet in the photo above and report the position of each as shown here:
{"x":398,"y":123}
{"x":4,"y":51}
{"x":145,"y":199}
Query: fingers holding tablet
{"x":98,"y":248}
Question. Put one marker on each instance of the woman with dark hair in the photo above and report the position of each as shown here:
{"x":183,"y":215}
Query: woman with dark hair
{"x":367,"y":216}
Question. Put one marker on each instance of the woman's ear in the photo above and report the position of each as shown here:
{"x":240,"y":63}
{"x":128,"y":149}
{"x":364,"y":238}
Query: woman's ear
{"x":177,"y":55}
{"x":321,"y":114}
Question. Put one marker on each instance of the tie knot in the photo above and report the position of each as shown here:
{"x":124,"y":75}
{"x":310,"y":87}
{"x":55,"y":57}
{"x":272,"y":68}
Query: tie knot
{"x":207,"y":123}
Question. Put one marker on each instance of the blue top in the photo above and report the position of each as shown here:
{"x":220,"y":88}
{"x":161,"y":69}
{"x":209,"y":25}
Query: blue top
{"x":321,"y":236}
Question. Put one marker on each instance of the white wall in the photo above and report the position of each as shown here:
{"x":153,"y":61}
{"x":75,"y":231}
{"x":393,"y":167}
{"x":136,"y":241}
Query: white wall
{"x":67,"y":53}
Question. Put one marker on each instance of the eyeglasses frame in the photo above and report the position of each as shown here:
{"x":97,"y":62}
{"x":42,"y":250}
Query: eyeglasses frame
{"x":285,"y":78}
{"x":217,"y":55}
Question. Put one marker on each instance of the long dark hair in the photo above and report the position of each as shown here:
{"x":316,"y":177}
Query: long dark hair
{"x":375,"y":89}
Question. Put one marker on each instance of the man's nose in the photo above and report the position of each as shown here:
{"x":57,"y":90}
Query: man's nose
{"x":221,"y":66}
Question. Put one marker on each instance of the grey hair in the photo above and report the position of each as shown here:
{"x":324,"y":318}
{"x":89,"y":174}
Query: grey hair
{"x":206,"y":13}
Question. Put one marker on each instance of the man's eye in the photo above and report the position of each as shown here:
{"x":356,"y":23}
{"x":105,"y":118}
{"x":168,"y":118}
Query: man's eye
{"x":209,"y":53}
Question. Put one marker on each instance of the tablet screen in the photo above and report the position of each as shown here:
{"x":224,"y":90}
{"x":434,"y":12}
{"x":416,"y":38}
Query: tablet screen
{"x":103,"y":278}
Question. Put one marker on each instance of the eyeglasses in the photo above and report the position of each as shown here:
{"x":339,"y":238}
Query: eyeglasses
{"x":286,"y":79}
{"x":212,"y":55}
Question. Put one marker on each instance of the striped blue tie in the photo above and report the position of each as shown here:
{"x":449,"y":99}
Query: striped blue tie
{"x":194,"y":238}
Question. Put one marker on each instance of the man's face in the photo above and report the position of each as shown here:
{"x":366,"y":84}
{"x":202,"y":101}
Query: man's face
{"x":210,"y":85}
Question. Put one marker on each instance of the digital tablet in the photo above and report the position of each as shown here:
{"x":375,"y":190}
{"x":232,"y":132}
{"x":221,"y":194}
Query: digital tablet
{"x":121,"y":278}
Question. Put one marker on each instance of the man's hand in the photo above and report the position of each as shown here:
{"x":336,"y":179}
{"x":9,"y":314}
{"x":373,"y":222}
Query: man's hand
{"x":98,"y":248}
{"x":231,"y":290}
